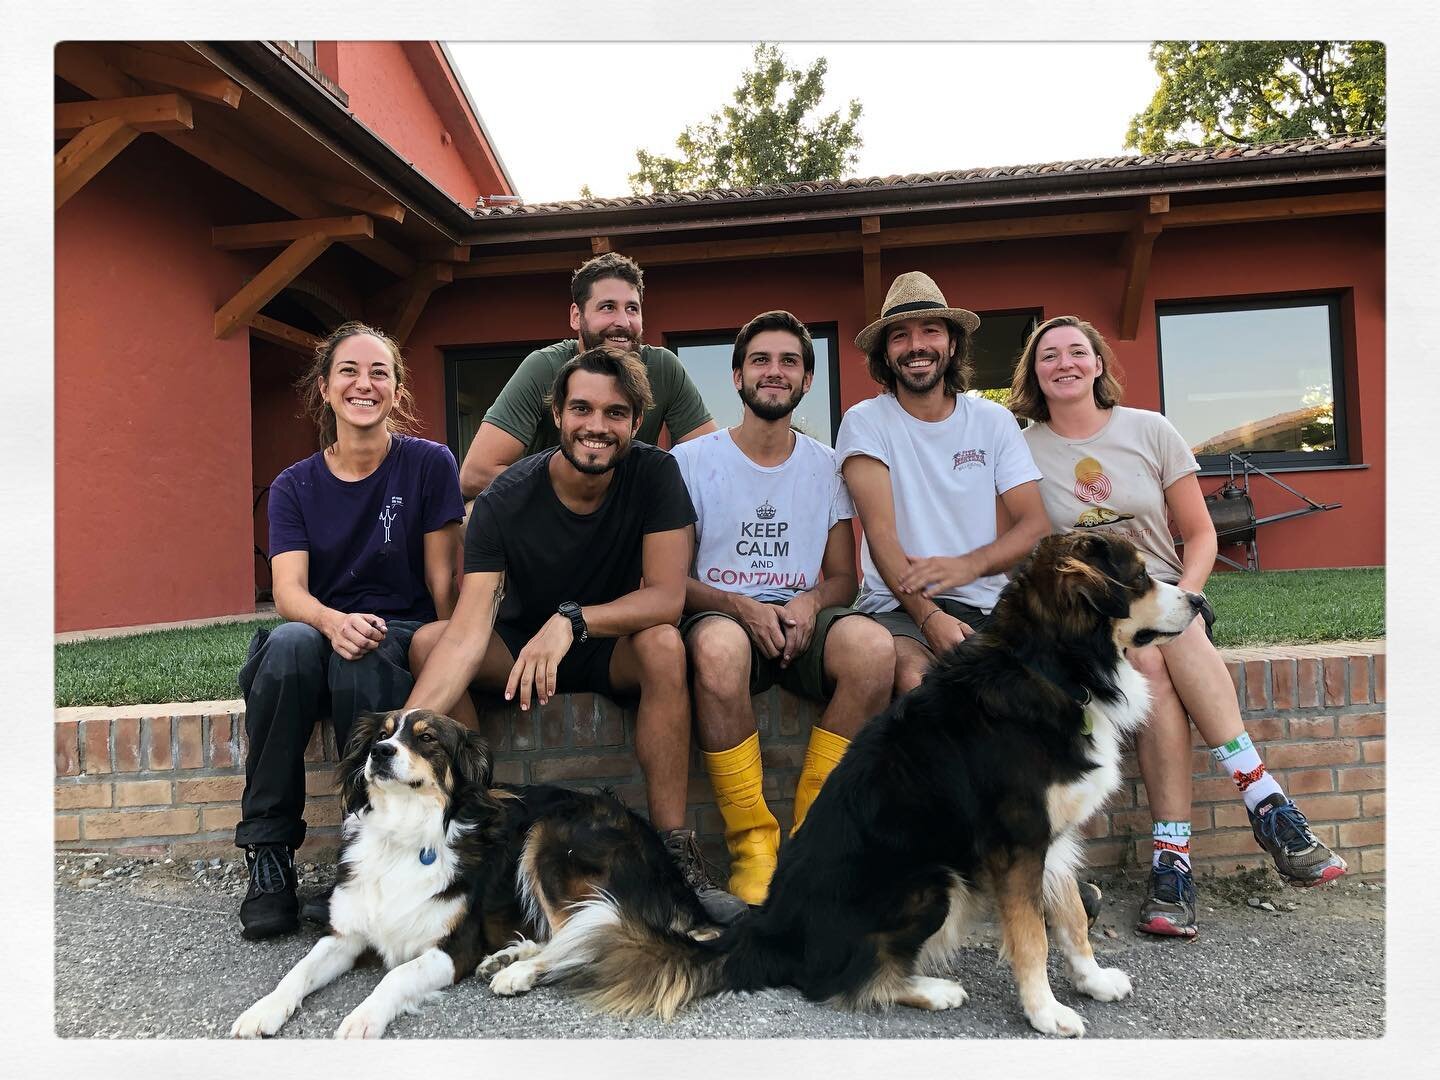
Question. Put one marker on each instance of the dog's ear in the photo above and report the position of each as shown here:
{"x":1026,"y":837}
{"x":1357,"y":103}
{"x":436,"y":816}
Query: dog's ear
{"x":352,"y":764}
{"x":472,"y":761}
{"x":1088,"y":568}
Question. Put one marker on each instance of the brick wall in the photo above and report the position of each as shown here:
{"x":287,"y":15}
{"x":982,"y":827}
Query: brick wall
{"x":167,"y":778}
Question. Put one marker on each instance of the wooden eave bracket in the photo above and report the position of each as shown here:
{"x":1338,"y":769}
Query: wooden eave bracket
{"x":402,"y":303}
{"x":156,"y":112}
{"x":80,"y":159}
{"x":241,"y":308}
{"x":277,"y":233}
{"x":196,"y":80}
{"x":283,"y":334}
{"x":1135,"y":256}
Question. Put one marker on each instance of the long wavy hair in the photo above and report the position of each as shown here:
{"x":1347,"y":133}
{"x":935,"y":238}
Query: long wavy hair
{"x":1026,"y":398}
{"x":313,"y":405}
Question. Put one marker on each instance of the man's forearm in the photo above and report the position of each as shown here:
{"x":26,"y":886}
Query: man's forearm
{"x":448,"y":672}
{"x":702,"y":597}
{"x":650,"y":605}
{"x":1001,"y":555}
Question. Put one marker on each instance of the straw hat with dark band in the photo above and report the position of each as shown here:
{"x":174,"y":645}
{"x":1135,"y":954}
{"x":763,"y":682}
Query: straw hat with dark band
{"x":914,"y":296}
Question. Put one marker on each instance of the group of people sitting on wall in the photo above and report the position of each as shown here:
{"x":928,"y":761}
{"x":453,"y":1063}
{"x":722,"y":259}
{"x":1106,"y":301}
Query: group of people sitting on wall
{"x":593,"y":561}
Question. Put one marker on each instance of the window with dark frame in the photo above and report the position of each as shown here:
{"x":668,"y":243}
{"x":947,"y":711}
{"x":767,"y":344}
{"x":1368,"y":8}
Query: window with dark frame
{"x":474,"y":377}
{"x":994,"y":348}
{"x":706,"y":356}
{"x":1263,"y":377}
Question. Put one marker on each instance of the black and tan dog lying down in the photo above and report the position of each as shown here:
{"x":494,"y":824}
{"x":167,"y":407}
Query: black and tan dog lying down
{"x":972,"y":786}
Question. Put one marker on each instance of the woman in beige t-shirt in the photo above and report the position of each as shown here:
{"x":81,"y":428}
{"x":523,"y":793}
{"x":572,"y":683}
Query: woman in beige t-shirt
{"x":1127,"y":471}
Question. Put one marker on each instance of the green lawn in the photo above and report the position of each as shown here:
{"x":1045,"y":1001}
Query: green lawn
{"x":194,"y":665}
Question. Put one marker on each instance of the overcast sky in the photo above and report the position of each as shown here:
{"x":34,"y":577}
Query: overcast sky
{"x":927,"y":106}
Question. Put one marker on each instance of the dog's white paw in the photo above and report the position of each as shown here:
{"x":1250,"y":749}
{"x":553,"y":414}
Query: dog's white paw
{"x":1105,"y":984}
{"x":265,"y":1017}
{"x":518,"y":978}
{"x":1057,"y":1019}
{"x":934,"y":994}
{"x":364,"y":1022}
{"x":521,"y":950}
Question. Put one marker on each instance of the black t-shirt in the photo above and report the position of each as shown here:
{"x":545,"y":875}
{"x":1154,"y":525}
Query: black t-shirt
{"x":551,"y":554}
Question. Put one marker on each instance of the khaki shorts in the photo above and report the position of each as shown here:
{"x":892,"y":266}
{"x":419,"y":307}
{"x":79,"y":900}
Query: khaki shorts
{"x":806,"y":673}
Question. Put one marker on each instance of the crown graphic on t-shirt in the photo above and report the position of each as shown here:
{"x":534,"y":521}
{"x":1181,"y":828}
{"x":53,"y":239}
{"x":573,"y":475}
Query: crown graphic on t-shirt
{"x":765,"y":511}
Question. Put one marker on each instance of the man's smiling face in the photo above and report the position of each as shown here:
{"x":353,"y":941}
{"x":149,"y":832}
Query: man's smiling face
{"x":611,"y":316}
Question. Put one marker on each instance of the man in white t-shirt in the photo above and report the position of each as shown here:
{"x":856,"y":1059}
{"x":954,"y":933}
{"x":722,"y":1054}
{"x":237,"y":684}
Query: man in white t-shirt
{"x":767,"y":601}
{"x":925,"y":464}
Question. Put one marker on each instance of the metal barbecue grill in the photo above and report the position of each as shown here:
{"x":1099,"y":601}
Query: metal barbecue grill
{"x":1233,"y":511}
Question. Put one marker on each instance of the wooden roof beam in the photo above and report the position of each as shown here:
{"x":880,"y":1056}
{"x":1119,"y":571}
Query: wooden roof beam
{"x":226,"y":157}
{"x":1135,"y":255}
{"x":196,"y":80}
{"x":80,"y":159}
{"x":403,"y":303}
{"x":599,"y":245}
{"x":83,"y":66}
{"x":241,"y":308}
{"x":158,"y":112}
{"x":870,"y":258}
{"x":376,"y":204}
{"x":283,"y":334}
{"x":278,"y":233}
{"x":1285,"y":209}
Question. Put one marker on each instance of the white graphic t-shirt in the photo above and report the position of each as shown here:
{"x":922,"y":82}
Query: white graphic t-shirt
{"x":761,"y":531}
{"x":944,"y":478}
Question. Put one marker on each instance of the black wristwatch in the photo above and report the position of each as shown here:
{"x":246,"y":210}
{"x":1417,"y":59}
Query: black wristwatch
{"x":571,"y":611}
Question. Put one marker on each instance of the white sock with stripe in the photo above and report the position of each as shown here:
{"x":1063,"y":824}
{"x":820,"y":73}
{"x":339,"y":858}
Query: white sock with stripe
{"x":1239,"y":758}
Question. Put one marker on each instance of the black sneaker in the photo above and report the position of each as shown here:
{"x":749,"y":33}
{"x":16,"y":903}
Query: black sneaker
{"x":317,"y":909}
{"x":1169,"y":910}
{"x":270,"y":906}
{"x":720,"y":905}
{"x":1281,"y":829}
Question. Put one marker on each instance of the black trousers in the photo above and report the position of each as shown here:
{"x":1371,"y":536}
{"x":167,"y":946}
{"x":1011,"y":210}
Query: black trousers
{"x":291,"y":678}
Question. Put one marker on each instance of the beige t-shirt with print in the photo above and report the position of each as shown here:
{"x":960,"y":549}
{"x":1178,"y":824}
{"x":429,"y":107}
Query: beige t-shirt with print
{"x":1116,"y":480}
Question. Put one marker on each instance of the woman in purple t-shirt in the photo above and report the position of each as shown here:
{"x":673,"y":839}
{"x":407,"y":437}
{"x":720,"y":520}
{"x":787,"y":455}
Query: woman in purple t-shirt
{"x":364,"y":549}
{"x":1066,"y":383}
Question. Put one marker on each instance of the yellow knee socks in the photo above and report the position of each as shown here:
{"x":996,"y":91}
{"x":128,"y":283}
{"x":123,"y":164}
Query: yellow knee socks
{"x":751,"y":832}
{"x":823,"y":754}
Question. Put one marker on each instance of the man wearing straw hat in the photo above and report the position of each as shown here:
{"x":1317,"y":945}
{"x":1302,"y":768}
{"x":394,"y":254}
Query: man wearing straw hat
{"x":925,"y":465}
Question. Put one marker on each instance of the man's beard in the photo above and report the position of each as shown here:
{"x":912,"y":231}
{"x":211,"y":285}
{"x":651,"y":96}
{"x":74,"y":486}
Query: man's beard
{"x":594,"y":341}
{"x":592,"y":468}
{"x":770,"y":410}
{"x":921,"y":384}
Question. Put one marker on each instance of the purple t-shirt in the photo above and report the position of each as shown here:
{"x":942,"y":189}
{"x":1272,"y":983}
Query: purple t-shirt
{"x":366,"y":538}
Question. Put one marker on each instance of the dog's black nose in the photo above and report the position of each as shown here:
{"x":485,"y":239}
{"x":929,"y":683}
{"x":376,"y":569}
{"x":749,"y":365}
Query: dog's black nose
{"x":383,"y":750}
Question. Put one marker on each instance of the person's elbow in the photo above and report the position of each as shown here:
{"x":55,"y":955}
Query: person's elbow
{"x":670,"y":602}
{"x":476,"y":476}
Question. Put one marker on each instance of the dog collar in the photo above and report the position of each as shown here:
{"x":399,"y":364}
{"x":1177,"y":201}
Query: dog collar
{"x":427,"y":855}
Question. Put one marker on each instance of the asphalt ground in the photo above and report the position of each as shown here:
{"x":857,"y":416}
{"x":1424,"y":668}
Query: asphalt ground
{"x":150,"y":950}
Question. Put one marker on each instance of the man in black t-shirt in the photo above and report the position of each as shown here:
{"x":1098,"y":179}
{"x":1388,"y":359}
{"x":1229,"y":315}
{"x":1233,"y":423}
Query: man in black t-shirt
{"x":591,"y":541}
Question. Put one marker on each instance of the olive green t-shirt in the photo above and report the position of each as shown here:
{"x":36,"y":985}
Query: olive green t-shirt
{"x":521,"y":410}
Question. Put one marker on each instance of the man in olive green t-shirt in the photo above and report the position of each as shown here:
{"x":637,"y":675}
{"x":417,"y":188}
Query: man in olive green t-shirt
{"x":605,"y":298}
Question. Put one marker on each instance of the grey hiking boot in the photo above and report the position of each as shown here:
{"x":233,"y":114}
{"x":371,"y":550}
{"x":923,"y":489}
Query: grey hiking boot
{"x":1169,"y":910}
{"x":1281,"y":829}
{"x":720,"y":905}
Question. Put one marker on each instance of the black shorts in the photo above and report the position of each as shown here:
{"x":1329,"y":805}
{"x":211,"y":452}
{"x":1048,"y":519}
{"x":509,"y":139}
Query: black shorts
{"x":584,"y":669}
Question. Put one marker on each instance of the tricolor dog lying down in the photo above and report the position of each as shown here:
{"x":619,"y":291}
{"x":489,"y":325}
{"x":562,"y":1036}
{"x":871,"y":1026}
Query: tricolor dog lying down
{"x":976,"y":783}
{"x":429,"y":866}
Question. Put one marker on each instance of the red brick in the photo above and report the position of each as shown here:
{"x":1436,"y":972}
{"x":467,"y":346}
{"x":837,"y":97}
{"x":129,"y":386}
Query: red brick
{"x":1299,"y":755}
{"x":1131,"y":821}
{"x":319,"y":781}
{"x":1308,"y":781}
{"x":143,"y":793}
{"x":1282,"y":683}
{"x":127,"y":744}
{"x":1372,"y":861}
{"x":1363,"y":724}
{"x":1200,"y":817}
{"x":609,"y":723}
{"x":1362,"y":834}
{"x":583,"y":767}
{"x":140,"y":823}
{"x":698,"y":789}
{"x":1201,"y":763}
{"x":1264,"y":729}
{"x":67,"y":748}
{"x":1325,"y":833}
{"x":95,"y":746}
{"x":314,"y":749}
{"x":1359,"y":680}
{"x":1373,"y":805}
{"x":522,"y":730}
{"x":1211,"y":844}
{"x":1334,"y":668}
{"x":1108,"y":852}
{"x":509,"y":772}
{"x":1257,"y":695}
{"x":1330,"y":807}
{"x":222,"y":752}
{"x":159,"y":754}
{"x":1129,"y":767}
{"x":67,"y":827}
{"x":1360,"y":779}
{"x":552,"y":723}
{"x":1312,"y":727}
{"x":81,"y":796}
{"x":214,"y":818}
{"x":495,"y":728}
{"x":791,"y":722}
{"x":1379,"y":677}
{"x":1097,"y":826}
{"x":779,"y":755}
{"x":212,"y":789}
{"x":1231,"y":815}
{"x":322,"y":812}
{"x":1227,"y":864}
{"x":1307,"y":677}
{"x":583,"y":729}
{"x":1214,"y":789}
{"x":188,"y":739}
{"x":1373,"y":750}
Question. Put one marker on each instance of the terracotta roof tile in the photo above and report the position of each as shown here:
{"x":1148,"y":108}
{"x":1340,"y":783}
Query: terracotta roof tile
{"x":1293,"y":148}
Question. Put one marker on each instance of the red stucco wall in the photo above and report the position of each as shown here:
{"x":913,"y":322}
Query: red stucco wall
{"x":386,"y":95}
{"x":152,"y":414}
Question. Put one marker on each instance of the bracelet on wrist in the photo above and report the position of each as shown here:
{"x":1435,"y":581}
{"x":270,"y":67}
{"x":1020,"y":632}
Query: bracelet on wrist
{"x":927,"y":618}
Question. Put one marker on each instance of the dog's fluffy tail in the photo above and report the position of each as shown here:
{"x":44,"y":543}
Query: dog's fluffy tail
{"x":631,"y":969}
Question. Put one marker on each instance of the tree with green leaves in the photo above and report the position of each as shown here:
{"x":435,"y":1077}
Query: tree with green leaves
{"x":767,"y":136}
{"x":1214,"y":93}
